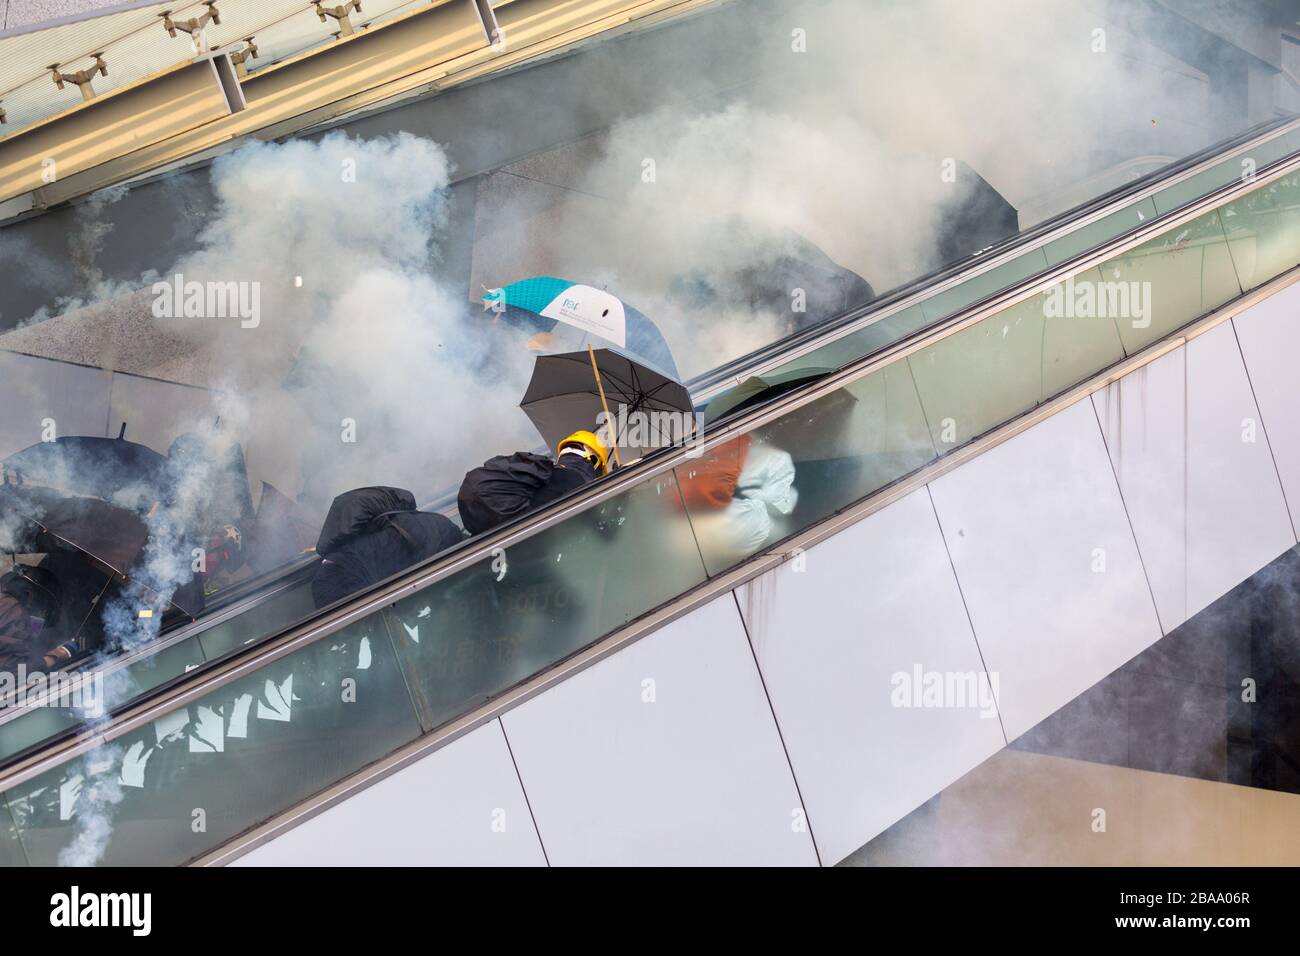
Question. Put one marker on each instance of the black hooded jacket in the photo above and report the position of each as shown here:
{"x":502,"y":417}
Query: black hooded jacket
{"x":371,"y":534}
{"x":507,"y":486}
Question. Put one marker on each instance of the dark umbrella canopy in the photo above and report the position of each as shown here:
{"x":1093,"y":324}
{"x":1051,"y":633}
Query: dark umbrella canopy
{"x":563,"y":397}
{"x":758,"y":389}
{"x":110,"y":535}
{"x":103,"y":467}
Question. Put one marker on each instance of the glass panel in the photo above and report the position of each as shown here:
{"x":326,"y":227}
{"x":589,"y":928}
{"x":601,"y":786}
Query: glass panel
{"x":1264,"y":231}
{"x":1203,"y":183}
{"x":469,"y":637}
{"x":983,"y":285}
{"x":1103,"y":230}
{"x":864,"y":341}
{"x":1166,"y":282}
{"x":1078,"y":341}
{"x":149,"y":672}
{"x":32,"y":389}
{"x":33,"y":725}
{"x":164,"y":664}
{"x":270,"y":616}
{"x":975,"y":379}
{"x":11,"y":848}
{"x":749,"y":493}
{"x":37,"y":723}
{"x":198,"y":776}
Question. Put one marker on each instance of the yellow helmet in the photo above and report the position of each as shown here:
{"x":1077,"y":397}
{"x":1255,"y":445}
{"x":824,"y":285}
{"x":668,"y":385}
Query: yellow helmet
{"x":588,"y":440}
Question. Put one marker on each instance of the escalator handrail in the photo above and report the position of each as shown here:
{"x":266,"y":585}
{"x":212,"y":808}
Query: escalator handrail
{"x":259,"y":590}
{"x":709,"y":384}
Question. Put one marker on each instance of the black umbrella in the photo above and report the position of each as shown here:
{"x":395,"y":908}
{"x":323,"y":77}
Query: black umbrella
{"x":570,"y":391}
{"x":108,"y":536}
{"x":112,"y":536}
{"x":85,"y":465}
{"x":758,"y":389}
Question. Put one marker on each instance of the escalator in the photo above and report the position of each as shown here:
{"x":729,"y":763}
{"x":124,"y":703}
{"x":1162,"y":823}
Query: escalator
{"x":269,"y":603}
{"x":243,"y":718}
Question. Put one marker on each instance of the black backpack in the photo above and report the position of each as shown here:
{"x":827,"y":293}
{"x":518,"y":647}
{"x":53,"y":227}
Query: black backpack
{"x":371,"y":534}
{"x":501,"y":489}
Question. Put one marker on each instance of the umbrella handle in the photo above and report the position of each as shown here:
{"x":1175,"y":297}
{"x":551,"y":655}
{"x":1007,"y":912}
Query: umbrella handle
{"x":604,"y":404}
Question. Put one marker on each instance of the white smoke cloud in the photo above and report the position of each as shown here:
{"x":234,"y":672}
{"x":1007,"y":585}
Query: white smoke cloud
{"x":721,"y":196}
{"x":98,"y":793}
{"x":368,"y":339}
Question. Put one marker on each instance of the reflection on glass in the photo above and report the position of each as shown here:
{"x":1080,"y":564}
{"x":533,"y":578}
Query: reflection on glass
{"x":1263,"y":229}
{"x":1229,"y":170}
{"x":1103,"y":230}
{"x":196,"y":777}
{"x":1177,"y":275}
{"x":470,"y":636}
{"x":864,"y":341}
{"x":983,"y":285}
{"x":975,"y":379}
{"x":1080,"y":332}
{"x":269,"y":616}
{"x":11,"y":848}
{"x":757,"y":489}
{"x":32,"y":725}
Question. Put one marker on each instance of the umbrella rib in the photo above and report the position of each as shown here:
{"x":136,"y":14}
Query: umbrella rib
{"x":626,"y":386}
{"x":76,"y":635}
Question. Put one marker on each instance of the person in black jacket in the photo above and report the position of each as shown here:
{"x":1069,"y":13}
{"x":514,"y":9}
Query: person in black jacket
{"x":371,"y":534}
{"x":30,"y":602}
{"x":507,"y":486}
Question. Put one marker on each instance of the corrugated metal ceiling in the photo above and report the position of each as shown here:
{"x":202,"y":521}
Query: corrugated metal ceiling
{"x":135,"y":44}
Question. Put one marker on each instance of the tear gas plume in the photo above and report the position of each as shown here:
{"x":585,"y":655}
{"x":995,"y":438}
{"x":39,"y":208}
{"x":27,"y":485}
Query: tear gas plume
{"x":97,"y":796}
{"x":376,"y":373}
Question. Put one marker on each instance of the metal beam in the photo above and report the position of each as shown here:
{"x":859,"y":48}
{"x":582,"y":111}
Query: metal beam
{"x":99,"y":130}
{"x":429,"y":49}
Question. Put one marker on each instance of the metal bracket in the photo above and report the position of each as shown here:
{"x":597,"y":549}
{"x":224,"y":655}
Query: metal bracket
{"x":196,"y":27}
{"x":338,"y":13}
{"x":496,"y":36}
{"x":81,"y":78}
{"x":249,"y":52}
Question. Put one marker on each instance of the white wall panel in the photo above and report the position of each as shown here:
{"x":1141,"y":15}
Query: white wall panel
{"x":697,"y":776}
{"x":1269,"y":335}
{"x":460,"y":806}
{"x":840,"y":637}
{"x":1029,"y":525}
{"x":1196,"y":472}
{"x":33,"y":389}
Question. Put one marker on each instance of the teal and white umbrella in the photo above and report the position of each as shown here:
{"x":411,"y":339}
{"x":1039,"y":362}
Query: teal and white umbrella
{"x":541,"y":303}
